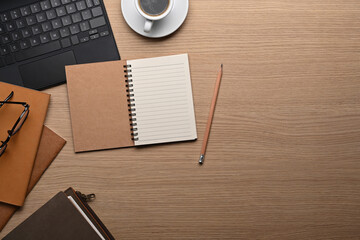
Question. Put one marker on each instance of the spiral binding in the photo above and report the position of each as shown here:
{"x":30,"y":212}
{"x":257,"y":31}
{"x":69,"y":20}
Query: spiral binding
{"x":131,"y":102}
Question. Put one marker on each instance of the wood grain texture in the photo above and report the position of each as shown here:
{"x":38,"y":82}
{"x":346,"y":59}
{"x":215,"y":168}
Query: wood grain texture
{"x":283,"y":160}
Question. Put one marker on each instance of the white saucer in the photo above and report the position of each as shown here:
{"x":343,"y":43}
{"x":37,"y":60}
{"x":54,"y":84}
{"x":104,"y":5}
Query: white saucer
{"x":161,"y":28}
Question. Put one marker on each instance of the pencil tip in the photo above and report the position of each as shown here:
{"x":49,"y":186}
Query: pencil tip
{"x":221,"y":65}
{"x":201,"y":160}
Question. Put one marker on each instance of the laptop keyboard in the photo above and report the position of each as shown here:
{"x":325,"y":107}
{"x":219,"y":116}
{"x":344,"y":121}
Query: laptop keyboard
{"x":47,"y":26}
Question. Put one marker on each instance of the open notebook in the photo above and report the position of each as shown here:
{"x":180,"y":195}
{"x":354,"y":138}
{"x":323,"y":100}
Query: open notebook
{"x":131,"y":102}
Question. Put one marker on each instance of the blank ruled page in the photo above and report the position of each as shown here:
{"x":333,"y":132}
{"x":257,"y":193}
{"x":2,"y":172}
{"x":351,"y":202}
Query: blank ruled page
{"x":163,"y":99}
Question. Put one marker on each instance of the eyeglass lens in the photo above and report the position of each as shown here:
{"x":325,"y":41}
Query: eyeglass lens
{"x":21,"y":122}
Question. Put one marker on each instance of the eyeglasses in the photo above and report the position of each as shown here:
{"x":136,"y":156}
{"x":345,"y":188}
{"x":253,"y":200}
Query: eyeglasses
{"x":18,"y":124}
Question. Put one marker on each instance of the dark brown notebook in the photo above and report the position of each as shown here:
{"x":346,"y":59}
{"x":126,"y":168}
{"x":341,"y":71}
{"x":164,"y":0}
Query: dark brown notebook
{"x":65,"y":216}
{"x":50,"y":145}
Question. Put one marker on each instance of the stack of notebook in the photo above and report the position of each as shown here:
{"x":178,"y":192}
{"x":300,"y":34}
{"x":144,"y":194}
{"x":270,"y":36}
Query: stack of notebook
{"x":126,"y":103}
{"x":29,"y":152}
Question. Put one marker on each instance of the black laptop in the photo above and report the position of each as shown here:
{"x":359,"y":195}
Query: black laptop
{"x":38,"y":38}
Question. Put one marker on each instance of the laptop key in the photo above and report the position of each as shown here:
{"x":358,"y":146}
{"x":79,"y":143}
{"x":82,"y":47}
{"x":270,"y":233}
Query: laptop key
{"x":15,"y":14}
{"x":37,"y":51}
{"x":34,"y":41}
{"x":89,"y":3}
{"x":65,"y":1}
{"x":4,"y":50}
{"x":86,"y":14}
{"x":74,"y":29}
{"x":56,"y":23}
{"x":81,"y":5}
{"x":93,"y":31}
{"x":40,"y":17}
{"x":51,"y":14}
{"x":14,"y":47}
{"x":74,"y":40}
{"x":54,"y":35}
{"x":70,"y":8}
{"x":10,"y":26}
{"x":105,"y":33}
{"x":65,"y":42}
{"x":96,"y":2}
{"x":76,"y":17}
{"x":15,"y":36}
{"x":55,"y":3}
{"x":44,"y":38}
{"x":46,"y":26}
{"x":25,"y":32}
{"x":20,"y":23}
{"x":25,"y":11}
{"x":5,"y":39}
{"x":4,"y":17}
{"x":24,"y":44}
{"x":45,"y":5}
{"x":31,"y":20}
{"x":97,"y":11}
{"x":84,"y":39}
{"x":66,"y":20}
{"x":61,"y":11}
{"x":84,"y":26}
{"x":36,"y":29}
{"x":35,"y":8}
{"x":64,"y":32}
{"x":97,"y":22}
{"x":95,"y":36}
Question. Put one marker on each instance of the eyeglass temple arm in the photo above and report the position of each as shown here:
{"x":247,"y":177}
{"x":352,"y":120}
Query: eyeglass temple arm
{"x":7,"y":99}
{"x":4,"y":102}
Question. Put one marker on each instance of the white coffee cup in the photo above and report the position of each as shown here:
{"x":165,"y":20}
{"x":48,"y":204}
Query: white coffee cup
{"x":150,"y":18}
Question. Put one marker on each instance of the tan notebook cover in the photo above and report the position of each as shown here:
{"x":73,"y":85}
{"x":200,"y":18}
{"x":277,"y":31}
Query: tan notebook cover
{"x":50,"y":146}
{"x":17,"y":162}
{"x":98,"y":106}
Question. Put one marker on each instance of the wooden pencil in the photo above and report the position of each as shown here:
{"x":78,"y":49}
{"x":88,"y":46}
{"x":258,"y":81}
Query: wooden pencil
{"x":211,"y":116}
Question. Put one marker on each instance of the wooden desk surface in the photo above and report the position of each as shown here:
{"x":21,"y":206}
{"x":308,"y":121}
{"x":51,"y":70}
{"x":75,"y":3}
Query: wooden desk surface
{"x":283,"y":159}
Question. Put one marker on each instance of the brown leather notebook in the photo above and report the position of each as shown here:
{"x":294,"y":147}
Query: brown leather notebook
{"x":17,"y":162}
{"x":65,"y":216}
{"x":131,"y":102}
{"x":50,"y":146}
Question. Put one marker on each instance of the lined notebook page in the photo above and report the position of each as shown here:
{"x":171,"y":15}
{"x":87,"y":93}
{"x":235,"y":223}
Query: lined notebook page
{"x":163,"y":99}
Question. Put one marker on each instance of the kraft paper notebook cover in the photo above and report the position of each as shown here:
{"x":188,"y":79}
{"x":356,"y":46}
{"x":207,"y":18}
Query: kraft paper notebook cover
{"x":17,"y":162}
{"x":50,"y":146}
{"x":131,"y":102}
{"x":66,"y":216}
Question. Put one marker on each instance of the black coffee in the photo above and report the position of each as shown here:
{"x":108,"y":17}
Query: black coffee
{"x":154,"y":7}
